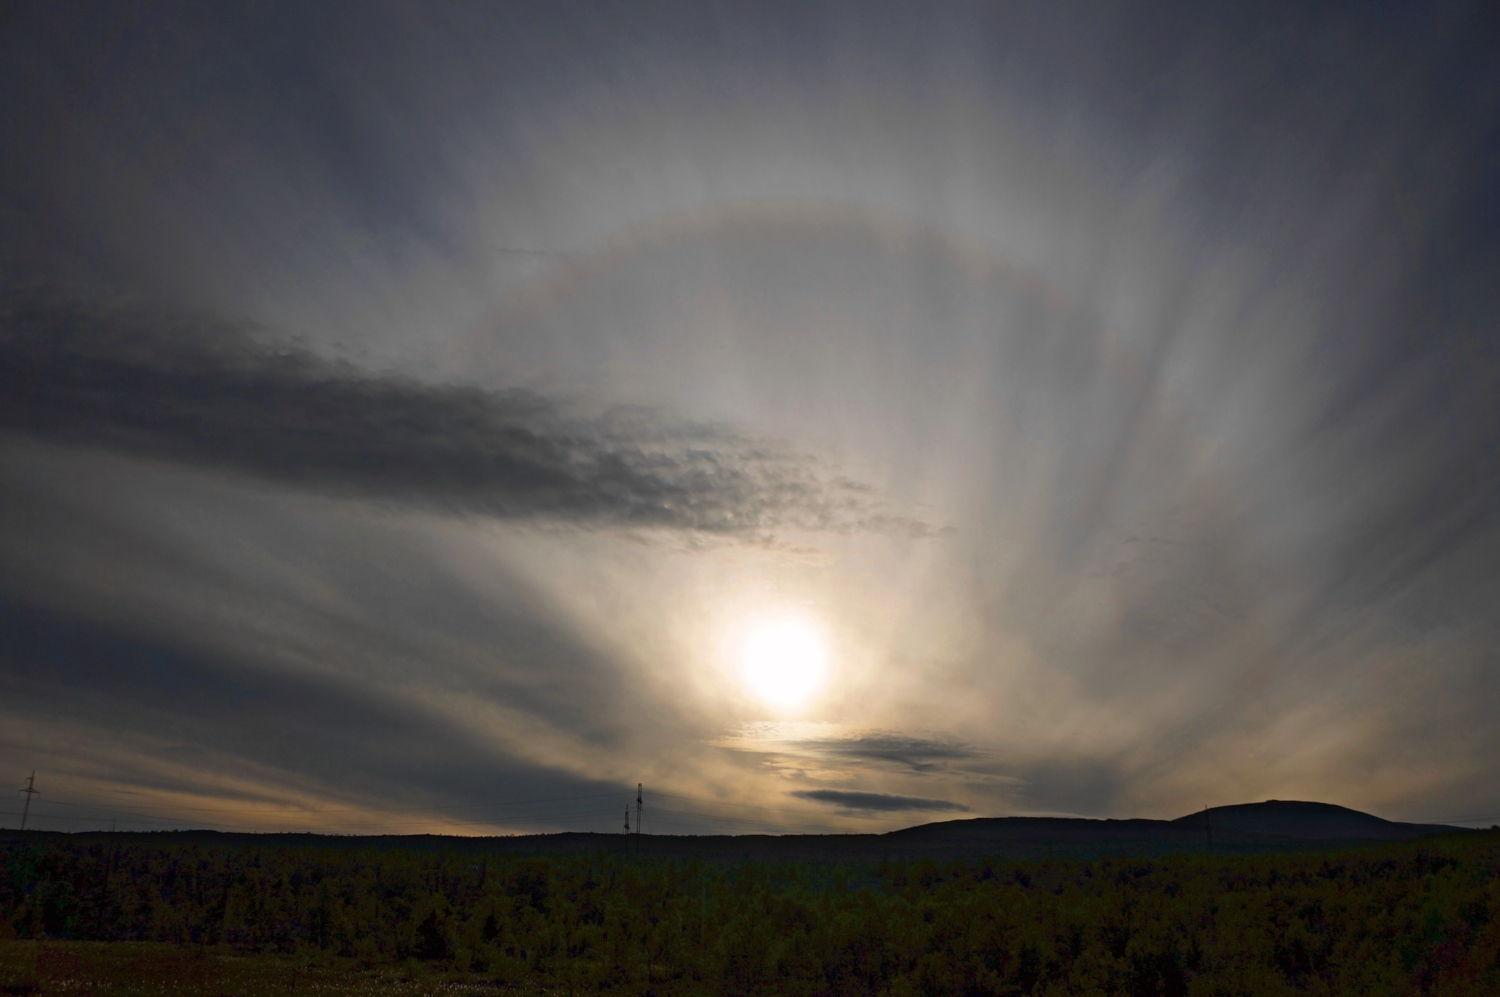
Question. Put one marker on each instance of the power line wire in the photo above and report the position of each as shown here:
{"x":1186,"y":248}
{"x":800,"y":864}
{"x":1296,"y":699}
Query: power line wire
{"x":752,"y":806}
{"x":1447,"y":820}
{"x":503,"y":803}
{"x":211,"y":825}
{"x":456,"y":806}
{"x":497,"y":820}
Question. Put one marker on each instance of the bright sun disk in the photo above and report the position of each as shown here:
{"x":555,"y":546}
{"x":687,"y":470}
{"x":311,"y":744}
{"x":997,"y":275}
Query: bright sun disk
{"x":784,"y":661}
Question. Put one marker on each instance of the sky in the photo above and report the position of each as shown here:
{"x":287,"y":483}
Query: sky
{"x":445,"y":417}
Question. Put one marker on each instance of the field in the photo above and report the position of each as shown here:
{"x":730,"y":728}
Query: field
{"x":129,"y":969}
{"x":81,"y":916}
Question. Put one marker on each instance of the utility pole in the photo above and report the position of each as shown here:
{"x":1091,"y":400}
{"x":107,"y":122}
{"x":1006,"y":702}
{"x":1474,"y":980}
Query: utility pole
{"x":30,"y":791}
{"x":637,"y":808}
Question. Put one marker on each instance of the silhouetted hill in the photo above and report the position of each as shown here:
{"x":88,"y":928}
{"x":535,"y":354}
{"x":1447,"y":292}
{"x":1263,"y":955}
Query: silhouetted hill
{"x":1306,"y":820}
{"x":1273,"y":826}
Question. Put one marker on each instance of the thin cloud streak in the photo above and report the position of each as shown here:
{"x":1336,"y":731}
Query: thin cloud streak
{"x":915,"y":753}
{"x":878,"y":802}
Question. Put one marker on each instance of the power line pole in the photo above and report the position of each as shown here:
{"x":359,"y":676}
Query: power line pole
{"x":627,"y":818}
{"x":30,"y":791}
{"x":637,"y":808}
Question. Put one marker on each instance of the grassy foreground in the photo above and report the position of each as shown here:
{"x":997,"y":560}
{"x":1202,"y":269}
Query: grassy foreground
{"x":1421,"y":917}
{"x":152,"y":969}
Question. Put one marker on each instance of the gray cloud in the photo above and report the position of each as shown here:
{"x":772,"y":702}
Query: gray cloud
{"x":915,"y":753}
{"x":878,"y":802}
{"x":1048,"y":785}
{"x":192,"y":391}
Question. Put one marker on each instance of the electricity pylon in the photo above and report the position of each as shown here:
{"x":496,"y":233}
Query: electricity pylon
{"x":30,"y":791}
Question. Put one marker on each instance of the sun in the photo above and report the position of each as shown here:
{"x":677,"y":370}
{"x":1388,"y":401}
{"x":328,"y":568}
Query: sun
{"x":783,"y":660}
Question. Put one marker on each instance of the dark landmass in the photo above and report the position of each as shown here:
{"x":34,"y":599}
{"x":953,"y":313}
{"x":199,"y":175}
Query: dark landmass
{"x":164,"y":915}
{"x":1308,"y":821}
{"x":1249,"y":828}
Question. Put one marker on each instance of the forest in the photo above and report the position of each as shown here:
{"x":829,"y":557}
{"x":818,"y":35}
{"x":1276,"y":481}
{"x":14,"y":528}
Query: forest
{"x":1417,"y":917}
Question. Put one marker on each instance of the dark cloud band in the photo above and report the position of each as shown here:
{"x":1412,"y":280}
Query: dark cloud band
{"x":197,"y":393}
{"x":917,"y":753}
{"x":882,"y":802}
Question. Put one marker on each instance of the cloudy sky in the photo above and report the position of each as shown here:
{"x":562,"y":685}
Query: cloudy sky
{"x":444,"y":417}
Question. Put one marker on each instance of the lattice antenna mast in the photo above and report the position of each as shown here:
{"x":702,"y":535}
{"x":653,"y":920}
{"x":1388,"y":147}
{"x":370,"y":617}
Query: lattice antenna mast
{"x":30,"y":791}
{"x":637,"y":808}
{"x":627,"y":818}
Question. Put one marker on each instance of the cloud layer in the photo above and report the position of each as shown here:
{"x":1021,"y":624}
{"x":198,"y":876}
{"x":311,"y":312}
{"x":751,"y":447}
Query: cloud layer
{"x":171,"y":388}
{"x":878,"y":802}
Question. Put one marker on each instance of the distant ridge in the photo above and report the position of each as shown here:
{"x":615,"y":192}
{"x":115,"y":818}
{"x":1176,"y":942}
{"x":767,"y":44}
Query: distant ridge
{"x":1248,"y":828}
{"x":1308,"y":821}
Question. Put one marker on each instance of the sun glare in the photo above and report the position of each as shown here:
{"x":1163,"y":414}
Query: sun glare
{"x":783,"y":661}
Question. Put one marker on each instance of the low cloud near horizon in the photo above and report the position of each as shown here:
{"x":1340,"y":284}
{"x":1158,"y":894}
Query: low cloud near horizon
{"x":880,"y":802}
